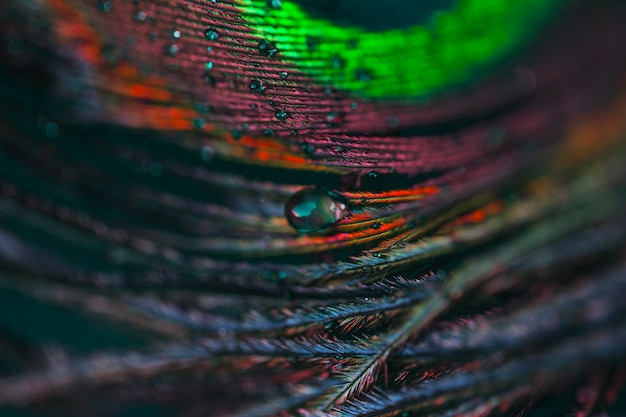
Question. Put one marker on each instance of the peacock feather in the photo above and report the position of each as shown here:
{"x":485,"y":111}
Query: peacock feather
{"x":350,"y":208}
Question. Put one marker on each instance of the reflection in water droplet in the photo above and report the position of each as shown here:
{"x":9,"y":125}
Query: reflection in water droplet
{"x":313,"y":210}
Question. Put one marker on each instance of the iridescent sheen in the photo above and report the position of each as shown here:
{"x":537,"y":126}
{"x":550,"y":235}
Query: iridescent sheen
{"x":453,"y":48}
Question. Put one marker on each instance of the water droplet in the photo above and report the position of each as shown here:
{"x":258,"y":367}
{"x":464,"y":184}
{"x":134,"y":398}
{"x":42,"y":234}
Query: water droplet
{"x":175,"y":34}
{"x":156,"y":168}
{"x":313,"y":210}
{"x":208,"y":66}
{"x":141,"y":16}
{"x":376,"y":226}
{"x":207,"y":153}
{"x":307,"y":148}
{"x":274,"y":4}
{"x":170,"y":50}
{"x":199,"y":123}
{"x":236,"y":134}
{"x":105,"y":5}
{"x":257,"y":86}
{"x":363,"y":75}
{"x":268,"y":132}
{"x":52,"y":130}
{"x":337,"y":62}
{"x":282,"y":115}
{"x":211,"y":34}
{"x":267,"y":48}
{"x":284,"y":75}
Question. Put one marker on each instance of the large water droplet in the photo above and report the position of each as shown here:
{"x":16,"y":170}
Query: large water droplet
{"x":314,"y":209}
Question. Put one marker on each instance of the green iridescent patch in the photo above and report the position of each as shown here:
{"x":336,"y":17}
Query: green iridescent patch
{"x":455,"y":45}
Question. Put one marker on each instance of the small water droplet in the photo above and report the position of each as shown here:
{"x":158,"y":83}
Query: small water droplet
{"x":199,"y":123}
{"x":211,"y":34}
{"x":363,"y":75}
{"x":175,"y":34}
{"x":236,"y":134}
{"x":284,"y":75}
{"x":282,"y":115}
{"x":52,"y":130}
{"x":257,"y":86}
{"x":208,"y":66}
{"x":307,"y":148}
{"x":337,"y":62}
{"x":267,"y":48}
{"x":268,"y":132}
{"x":207,"y":153}
{"x":170,"y":50}
{"x":313,"y":210}
{"x":141,"y":16}
{"x":156,"y":168}
{"x":274,"y":4}
{"x":105,"y":5}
